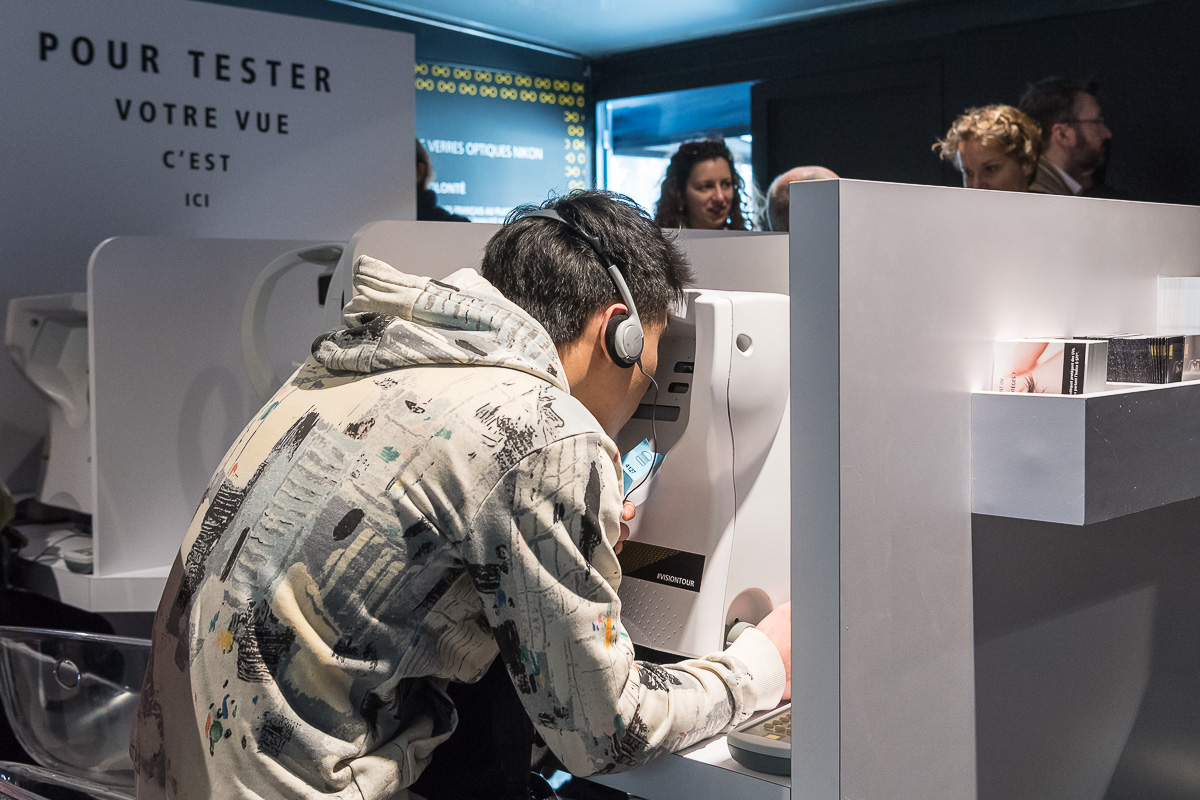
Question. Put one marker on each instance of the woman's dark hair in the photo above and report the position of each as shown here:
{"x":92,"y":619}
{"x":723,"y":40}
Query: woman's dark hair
{"x":671,"y":212}
{"x":552,"y":273}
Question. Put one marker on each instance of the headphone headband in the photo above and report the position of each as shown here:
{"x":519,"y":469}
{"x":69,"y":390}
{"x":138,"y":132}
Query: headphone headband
{"x":624,"y":336}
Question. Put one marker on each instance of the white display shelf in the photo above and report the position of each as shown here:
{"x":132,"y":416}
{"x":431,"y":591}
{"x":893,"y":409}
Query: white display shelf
{"x":131,"y":591}
{"x":703,"y":770}
{"x":135,"y":590}
{"x":1084,"y":458}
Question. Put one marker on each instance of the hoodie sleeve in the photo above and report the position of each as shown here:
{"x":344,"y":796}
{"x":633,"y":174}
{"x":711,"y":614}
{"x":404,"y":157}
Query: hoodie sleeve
{"x":540,"y":552}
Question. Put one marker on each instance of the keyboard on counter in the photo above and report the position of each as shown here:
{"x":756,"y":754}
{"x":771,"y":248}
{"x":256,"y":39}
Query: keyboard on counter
{"x":765,"y":744}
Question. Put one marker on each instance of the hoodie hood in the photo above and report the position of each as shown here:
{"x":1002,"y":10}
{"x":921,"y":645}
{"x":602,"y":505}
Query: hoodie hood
{"x":399,"y":320}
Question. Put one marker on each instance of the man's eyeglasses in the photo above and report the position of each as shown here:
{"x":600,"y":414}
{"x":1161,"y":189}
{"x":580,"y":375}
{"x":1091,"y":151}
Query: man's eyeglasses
{"x":1097,"y":121}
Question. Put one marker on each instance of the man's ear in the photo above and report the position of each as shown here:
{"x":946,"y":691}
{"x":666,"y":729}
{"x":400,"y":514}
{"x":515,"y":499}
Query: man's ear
{"x":606,"y":318}
{"x":1063,"y":134}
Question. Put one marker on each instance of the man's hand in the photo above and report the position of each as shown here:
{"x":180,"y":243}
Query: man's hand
{"x":628,"y":512}
{"x":778,"y":628}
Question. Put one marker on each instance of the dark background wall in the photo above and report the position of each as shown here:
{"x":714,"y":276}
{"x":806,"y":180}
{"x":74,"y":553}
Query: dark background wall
{"x":433,"y":43}
{"x":868,"y":93}
{"x":467,"y":96}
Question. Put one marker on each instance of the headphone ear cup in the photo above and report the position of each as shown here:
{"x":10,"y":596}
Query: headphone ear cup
{"x":615,"y":339}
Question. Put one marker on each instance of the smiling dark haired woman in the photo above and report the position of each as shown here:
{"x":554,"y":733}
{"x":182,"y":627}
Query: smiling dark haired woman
{"x":701,"y":189}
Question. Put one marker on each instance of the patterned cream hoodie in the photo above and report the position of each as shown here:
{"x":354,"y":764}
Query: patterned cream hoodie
{"x":422,"y":494}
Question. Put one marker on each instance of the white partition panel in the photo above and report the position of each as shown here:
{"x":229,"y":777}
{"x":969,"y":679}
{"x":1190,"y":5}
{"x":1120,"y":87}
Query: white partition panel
{"x":170,"y":389}
{"x":732,"y":261}
{"x":898,"y":294}
{"x":816,"y":587}
{"x":170,"y":383}
{"x":735,"y":261}
{"x":435,"y":249}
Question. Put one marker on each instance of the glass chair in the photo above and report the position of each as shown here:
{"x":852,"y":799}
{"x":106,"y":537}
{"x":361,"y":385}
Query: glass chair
{"x":71,"y":699}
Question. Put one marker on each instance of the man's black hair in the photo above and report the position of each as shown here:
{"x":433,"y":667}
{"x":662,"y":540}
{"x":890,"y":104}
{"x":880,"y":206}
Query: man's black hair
{"x":551,"y":272}
{"x":1052,"y":100}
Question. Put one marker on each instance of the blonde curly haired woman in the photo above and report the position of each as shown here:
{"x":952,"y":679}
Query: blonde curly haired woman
{"x":994,"y":147}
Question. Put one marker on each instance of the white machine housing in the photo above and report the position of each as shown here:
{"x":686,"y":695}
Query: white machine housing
{"x":47,"y":338}
{"x":710,"y":544}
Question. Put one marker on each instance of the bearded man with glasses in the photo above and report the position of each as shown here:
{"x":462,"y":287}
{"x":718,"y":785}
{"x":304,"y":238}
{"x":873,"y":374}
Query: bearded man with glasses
{"x":1075,"y":137}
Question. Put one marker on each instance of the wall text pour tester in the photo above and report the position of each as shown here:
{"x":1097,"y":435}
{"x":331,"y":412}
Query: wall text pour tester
{"x":221,"y":67}
{"x":84,"y":53}
{"x":248,"y":70}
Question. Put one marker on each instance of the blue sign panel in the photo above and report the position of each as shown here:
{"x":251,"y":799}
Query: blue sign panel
{"x":500,"y":139}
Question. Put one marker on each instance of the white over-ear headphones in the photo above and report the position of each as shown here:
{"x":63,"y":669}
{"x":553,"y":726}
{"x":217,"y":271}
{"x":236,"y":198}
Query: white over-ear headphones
{"x":623,"y":337}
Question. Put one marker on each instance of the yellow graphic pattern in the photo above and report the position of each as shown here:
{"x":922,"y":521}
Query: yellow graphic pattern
{"x":511,"y":86}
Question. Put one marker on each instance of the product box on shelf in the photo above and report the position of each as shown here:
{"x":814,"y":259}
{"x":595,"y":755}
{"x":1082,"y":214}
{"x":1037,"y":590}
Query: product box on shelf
{"x":1191,"y":357}
{"x":1145,"y":359}
{"x":1050,"y":366}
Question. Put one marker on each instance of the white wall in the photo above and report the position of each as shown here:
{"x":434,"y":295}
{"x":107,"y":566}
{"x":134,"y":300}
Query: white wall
{"x":898,"y":293}
{"x":78,"y":163}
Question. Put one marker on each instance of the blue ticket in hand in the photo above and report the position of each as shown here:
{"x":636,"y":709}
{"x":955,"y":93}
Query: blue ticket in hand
{"x":638,"y":462}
